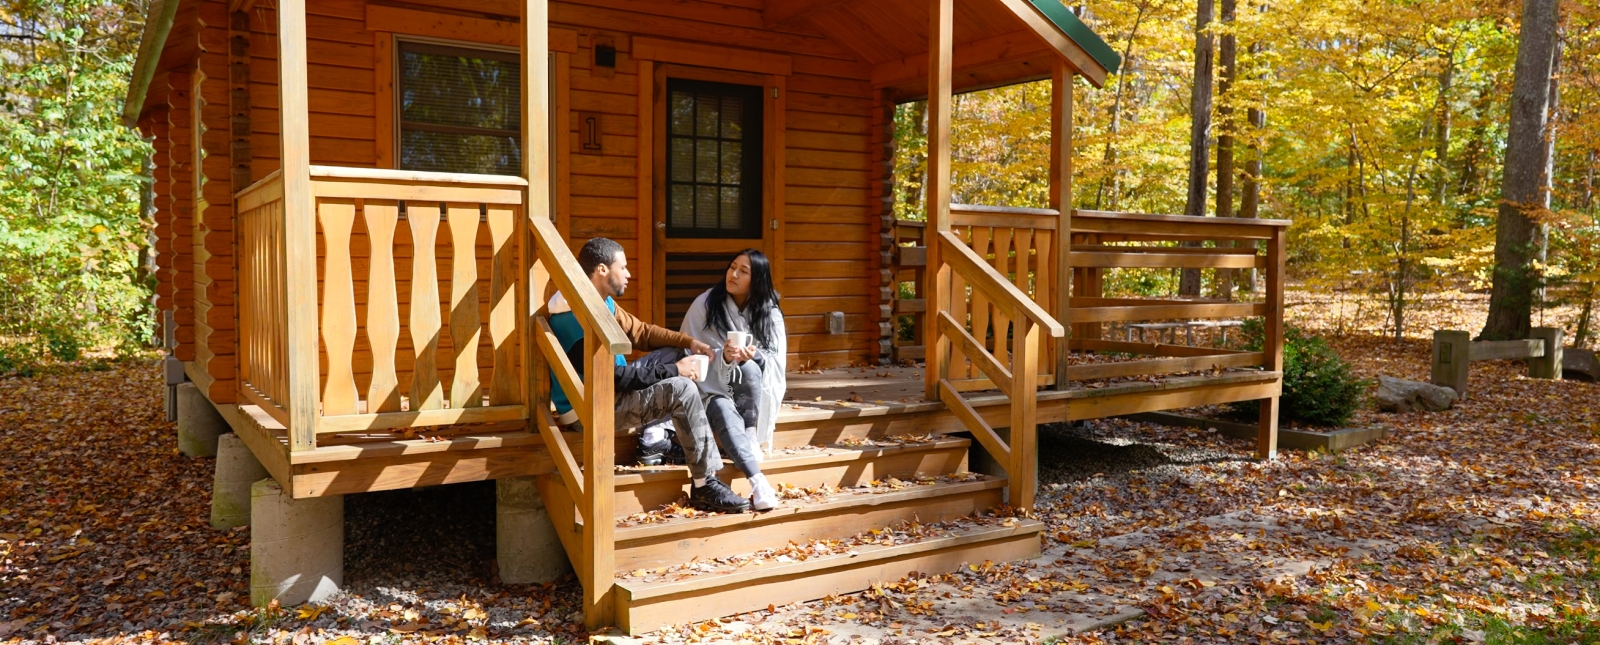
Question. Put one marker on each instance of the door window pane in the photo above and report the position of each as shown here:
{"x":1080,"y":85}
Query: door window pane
{"x":714,"y":161}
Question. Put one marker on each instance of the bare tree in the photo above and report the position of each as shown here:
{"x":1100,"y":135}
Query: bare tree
{"x":1520,"y":239}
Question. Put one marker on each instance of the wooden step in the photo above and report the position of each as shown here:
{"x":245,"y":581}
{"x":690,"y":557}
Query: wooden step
{"x":841,"y":466}
{"x":658,"y":540}
{"x":648,"y":603}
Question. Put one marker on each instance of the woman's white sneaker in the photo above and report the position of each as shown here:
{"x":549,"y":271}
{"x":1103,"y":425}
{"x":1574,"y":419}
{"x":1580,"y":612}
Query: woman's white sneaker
{"x":762,"y":497}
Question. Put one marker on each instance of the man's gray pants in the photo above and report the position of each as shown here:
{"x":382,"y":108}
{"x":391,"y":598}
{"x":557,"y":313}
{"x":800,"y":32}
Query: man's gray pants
{"x":678,"y":398}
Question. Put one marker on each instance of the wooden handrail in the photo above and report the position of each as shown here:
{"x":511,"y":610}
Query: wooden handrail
{"x":1004,"y":216}
{"x":579,"y":292}
{"x":1090,"y":215}
{"x":1166,"y":312}
{"x":994,"y":286}
{"x":1110,"y":257}
{"x":415,"y":176}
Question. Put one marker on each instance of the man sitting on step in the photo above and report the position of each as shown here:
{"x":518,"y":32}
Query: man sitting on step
{"x":645,"y":392}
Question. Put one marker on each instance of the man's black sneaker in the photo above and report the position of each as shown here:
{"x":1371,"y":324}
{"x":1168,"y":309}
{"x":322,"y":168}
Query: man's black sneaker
{"x":674,"y":456}
{"x":654,"y":454}
{"x":717,"y":497}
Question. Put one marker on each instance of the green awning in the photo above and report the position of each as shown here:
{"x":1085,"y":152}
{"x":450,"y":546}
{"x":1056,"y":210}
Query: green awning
{"x":1080,"y":33}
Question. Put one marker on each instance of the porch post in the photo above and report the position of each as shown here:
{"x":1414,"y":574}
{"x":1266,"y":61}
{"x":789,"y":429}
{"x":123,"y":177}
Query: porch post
{"x":940,"y":41}
{"x":300,"y":225}
{"x":1061,"y":200}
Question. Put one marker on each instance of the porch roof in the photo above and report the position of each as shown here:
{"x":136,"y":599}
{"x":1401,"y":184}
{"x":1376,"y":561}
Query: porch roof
{"x":997,"y":42}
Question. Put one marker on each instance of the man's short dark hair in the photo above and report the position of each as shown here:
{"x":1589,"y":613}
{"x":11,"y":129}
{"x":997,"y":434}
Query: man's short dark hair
{"x":597,"y":251}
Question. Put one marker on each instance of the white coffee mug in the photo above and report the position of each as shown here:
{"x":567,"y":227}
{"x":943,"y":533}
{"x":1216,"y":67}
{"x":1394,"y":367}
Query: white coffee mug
{"x":739,"y":339}
{"x":703,"y":363}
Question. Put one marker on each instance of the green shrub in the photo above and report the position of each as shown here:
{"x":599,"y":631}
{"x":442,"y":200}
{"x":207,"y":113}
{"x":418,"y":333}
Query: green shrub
{"x":62,"y":346}
{"x":1319,"y":388}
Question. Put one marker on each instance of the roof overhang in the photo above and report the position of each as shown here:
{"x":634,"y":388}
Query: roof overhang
{"x":1050,"y":20}
{"x":157,"y":24}
{"x":1046,"y":33}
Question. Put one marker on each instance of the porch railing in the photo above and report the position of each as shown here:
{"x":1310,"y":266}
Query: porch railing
{"x":410,"y":266}
{"x":1104,"y":241}
{"x":993,"y":263}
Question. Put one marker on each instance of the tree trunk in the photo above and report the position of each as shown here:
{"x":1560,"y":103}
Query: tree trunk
{"x":1441,"y":134}
{"x":1199,"y":131}
{"x":1520,"y":239}
{"x":1402,"y":263}
{"x":919,"y":168}
{"x":1250,"y":186}
{"x":1110,"y":159}
{"x":1229,"y":61}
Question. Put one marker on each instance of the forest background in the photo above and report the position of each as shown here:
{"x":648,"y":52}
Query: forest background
{"x":1380,"y":128}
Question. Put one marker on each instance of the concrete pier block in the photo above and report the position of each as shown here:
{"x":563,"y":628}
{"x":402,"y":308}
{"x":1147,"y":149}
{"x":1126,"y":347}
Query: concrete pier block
{"x":296,"y":546}
{"x":526,"y":545}
{"x":199,"y":425}
{"x":237,"y":470}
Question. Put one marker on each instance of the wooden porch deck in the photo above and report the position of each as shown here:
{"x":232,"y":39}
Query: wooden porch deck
{"x":823,"y":407}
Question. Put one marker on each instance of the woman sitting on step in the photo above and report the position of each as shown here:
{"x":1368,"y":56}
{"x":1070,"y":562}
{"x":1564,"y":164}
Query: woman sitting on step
{"x":746,"y":382}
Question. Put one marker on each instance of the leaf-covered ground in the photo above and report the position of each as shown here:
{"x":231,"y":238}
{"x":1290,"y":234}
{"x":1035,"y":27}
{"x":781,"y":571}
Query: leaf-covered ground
{"x":1471,"y":525}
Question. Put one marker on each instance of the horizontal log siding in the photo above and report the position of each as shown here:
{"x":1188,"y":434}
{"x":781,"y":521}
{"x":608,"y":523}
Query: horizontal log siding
{"x":215,"y":336}
{"x":829,"y":112}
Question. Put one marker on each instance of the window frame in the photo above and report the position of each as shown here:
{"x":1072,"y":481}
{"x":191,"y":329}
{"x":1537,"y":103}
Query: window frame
{"x":752,"y":185}
{"x":399,"y":125}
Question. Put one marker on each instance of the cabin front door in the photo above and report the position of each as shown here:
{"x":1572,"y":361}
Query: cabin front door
{"x":711,"y":180}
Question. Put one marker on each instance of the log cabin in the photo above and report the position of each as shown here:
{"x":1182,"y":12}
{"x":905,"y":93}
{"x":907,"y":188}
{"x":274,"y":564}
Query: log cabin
{"x":362,"y":205}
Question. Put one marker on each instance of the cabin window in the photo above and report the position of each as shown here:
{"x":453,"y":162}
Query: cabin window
{"x":713,"y":159}
{"x":459,"y":109}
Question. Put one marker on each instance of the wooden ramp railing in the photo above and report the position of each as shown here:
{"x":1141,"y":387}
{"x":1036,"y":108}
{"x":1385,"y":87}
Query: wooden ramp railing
{"x":987,"y":334}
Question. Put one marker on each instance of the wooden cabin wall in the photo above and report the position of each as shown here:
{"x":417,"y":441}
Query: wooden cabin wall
{"x":156,"y":126}
{"x":180,"y":125}
{"x":202,"y":191}
{"x":829,"y":221}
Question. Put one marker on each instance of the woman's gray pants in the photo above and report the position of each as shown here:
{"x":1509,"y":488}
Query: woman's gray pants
{"x":733,"y":421}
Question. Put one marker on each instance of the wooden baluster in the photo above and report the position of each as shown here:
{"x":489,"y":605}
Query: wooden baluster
{"x":957,"y":302}
{"x":980,"y":305}
{"x":1002,"y":322}
{"x":504,"y":384}
{"x":247,"y":291}
{"x":1044,"y":268}
{"x":1022,"y":241}
{"x":383,"y":307}
{"x":338,"y":306}
{"x":1023,"y":471}
{"x":426,"y":393}
{"x":466,"y":324}
{"x":276,"y":310}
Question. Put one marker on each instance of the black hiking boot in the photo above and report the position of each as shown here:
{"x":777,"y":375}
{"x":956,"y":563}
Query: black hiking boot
{"x":715,"y":496}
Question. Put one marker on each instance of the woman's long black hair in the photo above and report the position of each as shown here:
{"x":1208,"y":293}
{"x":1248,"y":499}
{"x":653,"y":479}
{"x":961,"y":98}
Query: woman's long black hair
{"x":761,"y":307}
